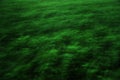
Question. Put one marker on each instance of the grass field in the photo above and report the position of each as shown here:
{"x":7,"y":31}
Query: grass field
{"x":59,"y":40}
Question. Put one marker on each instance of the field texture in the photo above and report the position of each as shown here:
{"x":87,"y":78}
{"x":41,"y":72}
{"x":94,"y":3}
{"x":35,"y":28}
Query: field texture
{"x":59,"y":39}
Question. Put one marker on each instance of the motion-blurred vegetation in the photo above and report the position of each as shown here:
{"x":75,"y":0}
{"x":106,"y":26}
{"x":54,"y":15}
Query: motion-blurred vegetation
{"x":59,"y":40}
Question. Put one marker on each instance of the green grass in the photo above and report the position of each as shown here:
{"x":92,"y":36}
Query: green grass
{"x":59,"y":40}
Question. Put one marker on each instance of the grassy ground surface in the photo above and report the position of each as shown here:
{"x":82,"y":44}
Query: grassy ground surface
{"x":59,"y":40}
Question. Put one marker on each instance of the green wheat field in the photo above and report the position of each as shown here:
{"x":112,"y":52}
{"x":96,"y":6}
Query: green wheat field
{"x":59,"y":39}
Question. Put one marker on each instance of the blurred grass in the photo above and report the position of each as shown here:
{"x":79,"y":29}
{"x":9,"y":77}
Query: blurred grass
{"x":59,"y":40}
